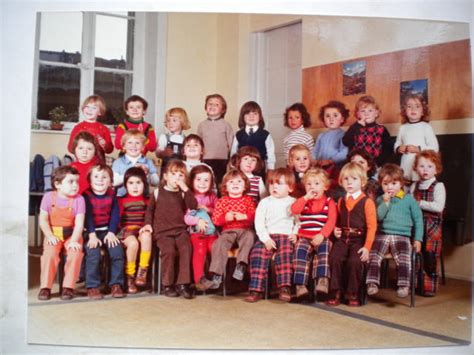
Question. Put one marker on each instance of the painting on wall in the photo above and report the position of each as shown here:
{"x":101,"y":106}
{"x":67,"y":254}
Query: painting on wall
{"x":353,"y":78}
{"x":419,"y":86}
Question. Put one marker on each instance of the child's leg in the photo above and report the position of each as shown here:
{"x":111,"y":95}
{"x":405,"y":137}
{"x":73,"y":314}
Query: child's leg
{"x":303,"y":253}
{"x":49,"y":263}
{"x":199,"y":243}
{"x":167,"y":247}
{"x":401,"y":251}
{"x":220,"y":249}
{"x":117,"y":263}
{"x":131,"y":250}
{"x":377,"y":252}
{"x":92,"y":267}
{"x":185,"y":250}
{"x":145,"y":249}
{"x":322,"y":260}
{"x":354,"y":267}
{"x":259,"y":261}
{"x":72,"y":268}
{"x":337,"y":256}
{"x":431,"y":257}
{"x":283,"y":260}
{"x":245,"y":241}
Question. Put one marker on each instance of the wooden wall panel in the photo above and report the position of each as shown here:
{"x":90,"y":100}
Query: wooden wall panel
{"x":447,"y":67}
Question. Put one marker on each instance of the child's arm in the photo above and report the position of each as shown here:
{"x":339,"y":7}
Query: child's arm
{"x":234,"y":147}
{"x":439,"y":200}
{"x":49,"y":237}
{"x":271,"y":159}
{"x":371,"y":221}
{"x":149,"y":214}
{"x":262,"y":190}
{"x":316,"y":152}
{"x":153,"y":177}
{"x":387,"y":147}
{"x":118,"y":169}
{"x":105,"y":140}
{"x":399,"y":147}
{"x":340,"y":153}
{"x":430,"y":138}
{"x":77,"y":232}
{"x":260,"y":225}
{"x":219,"y":215}
{"x":298,"y":206}
{"x":331,"y":221}
{"x":189,"y":199}
{"x":73,"y":134}
{"x":150,"y":144}
{"x":383,"y":206}
{"x":119,"y":131}
{"x":348,"y":138}
{"x":229,"y":135}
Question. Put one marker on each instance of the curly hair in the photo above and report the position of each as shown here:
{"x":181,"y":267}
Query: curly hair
{"x":305,"y":116}
{"x":338,"y":105}
{"x":412,"y":96}
{"x":431,"y":155}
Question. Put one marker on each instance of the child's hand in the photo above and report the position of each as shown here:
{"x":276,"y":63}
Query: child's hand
{"x":93,"y":242}
{"x":361,"y":121}
{"x":402,"y":149}
{"x":111,"y":240}
{"x":309,"y":195}
{"x":325,"y":162}
{"x":202,"y":225}
{"x":230,"y":216}
{"x":240,"y":216}
{"x":386,"y":197}
{"x":168,"y":152}
{"x":293,"y":238}
{"x":270,"y":244}
{"x":338,"y":232}
{"x":143,"y":167}
{"x":412,"y":148}
{"x":417,"y":246}
{"x":145,"y":228}
{"x":182,"y":185}
{"x":318,"y":239}
{"x":74,"y":246}
{"x":51,"y":240}
{"x":101,"y":141}
{"x":364,"y":254}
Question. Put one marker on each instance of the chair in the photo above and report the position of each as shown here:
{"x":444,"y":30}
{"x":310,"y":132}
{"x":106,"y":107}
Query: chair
{"x":156,"y":269}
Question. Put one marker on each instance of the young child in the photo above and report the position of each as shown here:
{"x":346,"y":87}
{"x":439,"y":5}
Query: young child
{"x":203,"y":233}
{"x":299,"y":161}
{"x":415,"y":133}
{"x":297,"y":118}
{"x":135,"y":107}
{"x":102,"y":224}
{"x":165,"y":219}
{"x":366,"y":133}
{"x":274,"y":225}
{"x":84,"y":147}
{"x":170,"y":144}
{"x":329,"y":149}
{"x":133,"y":143}
{"x":430,"y":195}
{"x":248,"y":161}
{"x":217,"y":135}
{"x":317,"y":215}
{"x":235,"y":213}
{"x":132,"y":209}
{"x":252,"y":132}
{"x":193,"y":150}
{"x":61,"y":220}
{"x":366,"y":162}
{"x":398,"y":217}
{"x":92,"y":108}
{"x":353,"y":236}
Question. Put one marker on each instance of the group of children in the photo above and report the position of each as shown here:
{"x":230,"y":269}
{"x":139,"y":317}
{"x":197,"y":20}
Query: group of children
{"x":337,"y":206}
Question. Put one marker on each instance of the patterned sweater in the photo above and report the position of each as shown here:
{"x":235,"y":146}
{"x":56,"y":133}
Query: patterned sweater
{"x":243,"y":204}
{"x":132,"y":211}
{"x":144,"y":127}
{"x":102,"y":212}
{"x":316,"y":216}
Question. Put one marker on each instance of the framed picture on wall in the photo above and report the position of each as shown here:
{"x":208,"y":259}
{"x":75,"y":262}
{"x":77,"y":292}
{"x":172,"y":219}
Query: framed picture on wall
{"x":419,"y":86}
{"x":353,"y":74}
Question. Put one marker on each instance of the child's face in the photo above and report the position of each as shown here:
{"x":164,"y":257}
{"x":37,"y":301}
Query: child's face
{"x":332,"y":118}
{"x":414,"y":110}
{"x":280,"y":188}
{"x":69,"y":186}
{"x":315,"y":185}
{"x":173,"y":123}
{"x":202,"y":182}
{"x":84,"y":151}
{"x":135,"y":186}
{"x":368,"y":114}
{"x":91,"y":111}
{"x":248,"y":164}
{"x":133,"y":147}
{"x":391,"y":186}
{"x":361,"y":162}
{"x":252,"y":118}
{"x":235,"y":186}
{"x":135,"y":110}
{"x":351,"y":183}
{"x":172,"y":178}
{"x":100,"y":181}
{"x":192,"y":150}
{"x":300,"y":161}
{"x":214,"y":108}
{"x":425,"y":168}
{"x":294,"y":119}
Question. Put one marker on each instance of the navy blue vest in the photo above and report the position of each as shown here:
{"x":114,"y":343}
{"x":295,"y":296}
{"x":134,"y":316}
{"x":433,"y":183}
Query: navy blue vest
{"x":256,"y":140}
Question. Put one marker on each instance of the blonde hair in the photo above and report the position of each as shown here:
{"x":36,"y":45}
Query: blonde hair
{"x":181,"y":113}
{"x":297,"y":148}
{"x":132,"y":133}
{"x":175,"y":165}
{"x":95,"y":99}
{"x":353,"y":169}
{"x":316,"y":173}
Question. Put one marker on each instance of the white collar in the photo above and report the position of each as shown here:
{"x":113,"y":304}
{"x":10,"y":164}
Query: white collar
{"x":247,"y":128}
{"x":355,"y":195}
{"x":425,"y":184}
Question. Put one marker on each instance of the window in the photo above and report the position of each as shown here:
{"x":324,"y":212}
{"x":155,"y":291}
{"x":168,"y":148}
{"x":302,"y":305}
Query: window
{"x":80,"y":54}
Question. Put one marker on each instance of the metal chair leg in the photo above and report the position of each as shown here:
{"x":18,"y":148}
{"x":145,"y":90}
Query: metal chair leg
{"x":443,"y":276}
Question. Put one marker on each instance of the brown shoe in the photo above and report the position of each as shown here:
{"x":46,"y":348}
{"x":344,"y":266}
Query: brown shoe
{"x":141,"y":276}
{"x":67,"y":294}
{"x":253,"y":297}
{"x":301,"y":291}
{"x":117,"y":291}
{"x":322,"y":285}
{"x":44,"y":294}
{"x":94,"y":294}
{"x":131,"y":288}
{"x":284,"y":294}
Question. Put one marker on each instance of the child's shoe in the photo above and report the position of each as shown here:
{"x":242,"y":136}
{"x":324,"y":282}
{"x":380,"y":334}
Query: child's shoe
{"x":372,"y":289}
{"x":239,"y":271}
{"x":67,"y":294}
{"x":253,"y":297}
{"x":322,"y":285}
{"x":301,"y":291}
{"x":353,"y":300}
{"x":402,"y":292}
{"x":217,"y":280}
{"x":141,"y":276}
{"x":94,"y":294}
{"x":117,"y":291}
{"x":284,"y":294}
{"x":206,"y":284}
{"x":335,"y":300}
{"x":184,"y":291}
{"x":44,"y":294}
{"x":170,"y":291}
{"x":131,"y":287}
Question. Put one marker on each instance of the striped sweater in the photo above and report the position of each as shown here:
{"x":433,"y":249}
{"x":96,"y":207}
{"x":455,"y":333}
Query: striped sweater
{"x":132,"y":211}
{"x":316,"y":216}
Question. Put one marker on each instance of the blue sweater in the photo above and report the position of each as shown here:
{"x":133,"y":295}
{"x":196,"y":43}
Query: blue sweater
{"x":329,"y":146}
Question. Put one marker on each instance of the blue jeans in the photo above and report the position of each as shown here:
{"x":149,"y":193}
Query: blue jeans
{"x":117,"y":263}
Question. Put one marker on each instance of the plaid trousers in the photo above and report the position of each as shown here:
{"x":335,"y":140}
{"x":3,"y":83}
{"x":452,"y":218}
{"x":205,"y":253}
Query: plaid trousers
{"x":260,"y":261}
{"x":400,"y":247}
{"x":304,"y":251}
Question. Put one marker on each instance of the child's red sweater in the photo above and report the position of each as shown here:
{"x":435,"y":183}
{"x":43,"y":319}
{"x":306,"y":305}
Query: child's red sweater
{"x":243,"y":204}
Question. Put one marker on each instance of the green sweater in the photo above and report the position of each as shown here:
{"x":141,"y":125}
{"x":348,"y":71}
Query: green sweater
{"x":401,"y":216}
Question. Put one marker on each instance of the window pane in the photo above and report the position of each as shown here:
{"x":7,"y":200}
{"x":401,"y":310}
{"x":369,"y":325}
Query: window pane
{"x":114,"y":88}
{"x":58,"y":86}
{"x":113,"y":42}
{"x":60,"y":37}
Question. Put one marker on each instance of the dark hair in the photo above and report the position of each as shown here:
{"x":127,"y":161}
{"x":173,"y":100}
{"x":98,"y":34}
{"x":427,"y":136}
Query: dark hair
{"x":60,"y":173}
{"x":139,"y":173}
{"x":198,"y":169}
{"x":412,"y":96}
{"x":135,"y":98}
{"x":367,"y":157}
{"x":250,"y":151}
{"x":233,"y":173}
{"x":393,"y":171}
{"x":193,"y":137}
{"x":100,"y":167}
{"x":86,"y":137}
{"x":343,"y":110}
{"x":302,"y":110}
{"x":251,"y":106}
{"x":220,"y":98}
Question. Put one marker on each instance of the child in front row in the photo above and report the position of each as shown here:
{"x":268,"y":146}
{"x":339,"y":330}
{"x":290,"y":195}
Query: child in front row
{"x":274,"y":225}
{"x":235,"y":213}
{"x":353,"y":236}
{"x":399,"y":218}
{"x":317,"y":216}
{"x":102,"y":224}
{"x":299,"y":161}
{"x":61,"y":220}
{"x":165,"y":219}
